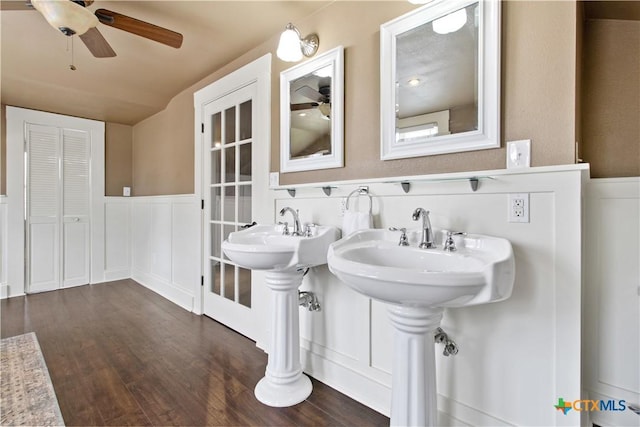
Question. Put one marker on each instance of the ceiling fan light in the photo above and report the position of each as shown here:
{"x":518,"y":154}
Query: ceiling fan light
{"x":65,"y":14}
{"x":289,"y":47}
{"x":450,"y":23}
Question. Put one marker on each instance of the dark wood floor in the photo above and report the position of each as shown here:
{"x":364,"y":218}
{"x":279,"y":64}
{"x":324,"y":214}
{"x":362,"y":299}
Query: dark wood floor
{"x":118,"y":354}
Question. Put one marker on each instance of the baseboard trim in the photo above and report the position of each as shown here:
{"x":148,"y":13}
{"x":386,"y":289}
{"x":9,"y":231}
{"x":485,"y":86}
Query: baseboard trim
{"x":355,"y":385}
{"x":165,"y":289}
{"x":110,"y":276}
{"x":377,"y":396}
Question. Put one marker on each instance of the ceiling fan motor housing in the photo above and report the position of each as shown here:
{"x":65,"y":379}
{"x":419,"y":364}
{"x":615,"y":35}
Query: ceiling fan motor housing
{"x":83,"y":3}
{"x":67,"y":31}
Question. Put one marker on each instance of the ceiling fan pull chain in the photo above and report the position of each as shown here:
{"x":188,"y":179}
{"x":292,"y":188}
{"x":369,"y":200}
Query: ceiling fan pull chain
{"x":72,"y":67}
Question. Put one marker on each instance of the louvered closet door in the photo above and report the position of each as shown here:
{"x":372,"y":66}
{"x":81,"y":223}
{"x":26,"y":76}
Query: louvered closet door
{"x":58,"y":250}
{"x":43,"y":204}
{"x":75,"y":208}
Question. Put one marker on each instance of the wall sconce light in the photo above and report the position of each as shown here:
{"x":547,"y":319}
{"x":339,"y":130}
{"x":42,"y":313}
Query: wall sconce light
{"x":292,"y":46}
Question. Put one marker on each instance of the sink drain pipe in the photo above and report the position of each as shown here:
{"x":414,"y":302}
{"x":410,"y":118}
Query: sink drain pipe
{"x":308,"y":300}
{"x":450,"y":347}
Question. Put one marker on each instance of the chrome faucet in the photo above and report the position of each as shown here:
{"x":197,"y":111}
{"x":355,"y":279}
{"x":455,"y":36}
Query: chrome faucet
{"x":427,"y":233}
{"x":296,"y":220}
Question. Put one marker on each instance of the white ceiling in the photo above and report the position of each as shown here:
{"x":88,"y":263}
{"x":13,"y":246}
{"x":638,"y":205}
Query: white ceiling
{"x":145,"y":75}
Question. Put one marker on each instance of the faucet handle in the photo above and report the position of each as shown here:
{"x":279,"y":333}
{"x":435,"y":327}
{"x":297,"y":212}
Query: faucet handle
{"x":285,"y":228}
{"x":449,"y":243}
{"x":309,"y":229}
{"x":403,"y":236}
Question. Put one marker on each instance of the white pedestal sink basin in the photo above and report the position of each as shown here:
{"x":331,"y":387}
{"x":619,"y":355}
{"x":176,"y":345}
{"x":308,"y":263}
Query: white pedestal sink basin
{"x":418,"y":284}
{"x":263,"y":247}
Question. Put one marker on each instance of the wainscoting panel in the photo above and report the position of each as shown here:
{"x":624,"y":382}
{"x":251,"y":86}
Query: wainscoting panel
{"x":161,"y":233}
{"x":4,"y":290}
{"x":517,"y":357}
{"x":141,"y":235}
{"x":185,"y":245}
{"x":117,"y":213}
{"x":612,"y":297}
{"x":165,"y":246}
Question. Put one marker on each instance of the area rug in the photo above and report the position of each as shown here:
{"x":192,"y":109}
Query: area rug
{"x":27,"y":397}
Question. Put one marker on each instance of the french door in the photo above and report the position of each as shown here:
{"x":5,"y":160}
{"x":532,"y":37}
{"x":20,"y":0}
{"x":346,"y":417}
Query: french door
{"x":228,"y":174}
{"x":57,"y":201}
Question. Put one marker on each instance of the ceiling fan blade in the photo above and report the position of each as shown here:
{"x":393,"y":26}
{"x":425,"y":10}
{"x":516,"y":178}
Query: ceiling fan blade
{"x":310,"y":93}
{"x":139,"y":28}
{"x":16,"y":5}
{"x":97,"y":44}
{"x":304,"y":106}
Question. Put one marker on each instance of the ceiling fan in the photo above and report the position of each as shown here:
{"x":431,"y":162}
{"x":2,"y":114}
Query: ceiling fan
{"x":72,"y":18}
{"x":321,"y":99}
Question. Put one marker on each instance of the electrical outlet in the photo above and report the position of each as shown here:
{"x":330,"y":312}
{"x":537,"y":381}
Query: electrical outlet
{"x":519,"y":207}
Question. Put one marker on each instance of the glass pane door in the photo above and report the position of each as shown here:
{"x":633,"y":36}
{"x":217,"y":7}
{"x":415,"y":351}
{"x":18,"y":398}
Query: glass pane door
{"x":228,"y":204}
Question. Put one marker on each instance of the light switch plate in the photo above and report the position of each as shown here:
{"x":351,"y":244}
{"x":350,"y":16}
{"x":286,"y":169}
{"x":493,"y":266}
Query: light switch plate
{"x":126,"y":191}
{"x":274,"y":179}
{"x":519,"y":154}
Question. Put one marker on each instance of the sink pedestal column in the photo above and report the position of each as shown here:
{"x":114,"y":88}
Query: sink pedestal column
{"x":284,"y":384}
{"x":413,"y":383}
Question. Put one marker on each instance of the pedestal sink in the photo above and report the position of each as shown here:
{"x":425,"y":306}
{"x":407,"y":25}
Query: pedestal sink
{"x":418,"y":284}
{"x":264,"y":247}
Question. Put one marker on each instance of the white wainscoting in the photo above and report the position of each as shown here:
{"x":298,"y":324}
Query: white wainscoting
{"x":165,"y":246}
{"x":4,"y":289}
{"x":611,"y":326}
{"x":516,"y":357}
{"x":117,"y":231}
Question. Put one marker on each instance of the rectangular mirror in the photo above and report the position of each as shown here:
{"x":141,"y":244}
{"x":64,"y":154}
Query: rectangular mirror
{"x":312,"y":113}
{"x":440,"y":79}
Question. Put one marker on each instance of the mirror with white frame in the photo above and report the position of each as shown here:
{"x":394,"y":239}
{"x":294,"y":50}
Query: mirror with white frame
{"x":312,"y":113}
{"x":440,"y":79}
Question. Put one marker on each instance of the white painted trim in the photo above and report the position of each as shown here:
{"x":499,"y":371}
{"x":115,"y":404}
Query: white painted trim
{"x":114,"y":228}
{"x":164,"y":255}
{"x":4,"y":288}
{"x":165,"y":197}
{"x":164,"y":288}
{"x":16,"y":119}
{"x":606,"y":317}
{"x":492,"y":174}
{"x":335,"y":59}
{"x":258,"y":71}
{"x":488,"y":134}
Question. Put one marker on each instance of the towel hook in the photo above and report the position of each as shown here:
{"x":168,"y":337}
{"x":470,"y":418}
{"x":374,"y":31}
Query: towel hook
{"x":361,"y":191}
